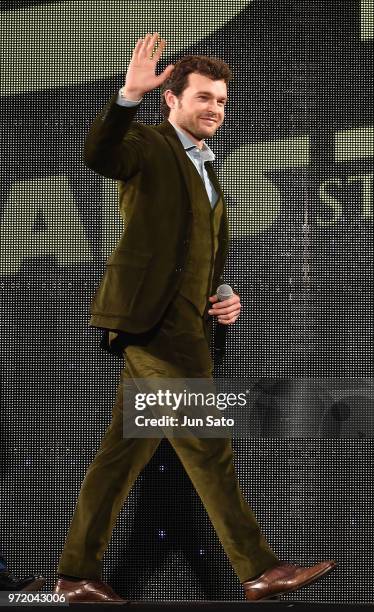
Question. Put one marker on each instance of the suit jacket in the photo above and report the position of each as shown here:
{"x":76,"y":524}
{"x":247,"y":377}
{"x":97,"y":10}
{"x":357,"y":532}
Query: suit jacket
{"x":143,"y":273}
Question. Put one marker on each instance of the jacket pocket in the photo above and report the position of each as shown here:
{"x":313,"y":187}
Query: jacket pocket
{"x":124,"y":256}
{"x":121,"y":283}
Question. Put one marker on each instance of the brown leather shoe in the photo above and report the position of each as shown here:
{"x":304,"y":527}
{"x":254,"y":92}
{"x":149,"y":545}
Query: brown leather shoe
{"x":284,"y":578}
{"x":87,"y":591}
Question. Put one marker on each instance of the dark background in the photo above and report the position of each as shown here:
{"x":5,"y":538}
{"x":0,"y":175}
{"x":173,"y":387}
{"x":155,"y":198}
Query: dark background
{"x":302,"y":74}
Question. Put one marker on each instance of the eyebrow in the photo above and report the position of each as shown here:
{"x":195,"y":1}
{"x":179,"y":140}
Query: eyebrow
{"x":207,"y":93}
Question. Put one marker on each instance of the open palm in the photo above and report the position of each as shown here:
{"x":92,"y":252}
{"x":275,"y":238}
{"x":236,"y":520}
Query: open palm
{"x":140,"y":76}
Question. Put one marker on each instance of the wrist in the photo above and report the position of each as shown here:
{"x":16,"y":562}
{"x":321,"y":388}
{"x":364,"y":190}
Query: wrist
{"x":131,"y":94}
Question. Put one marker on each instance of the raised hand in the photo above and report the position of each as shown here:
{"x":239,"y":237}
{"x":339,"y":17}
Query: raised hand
{"x":140,"y":76}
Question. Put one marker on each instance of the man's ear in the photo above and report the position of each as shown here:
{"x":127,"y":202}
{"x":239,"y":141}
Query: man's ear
{"x":169,"y":98}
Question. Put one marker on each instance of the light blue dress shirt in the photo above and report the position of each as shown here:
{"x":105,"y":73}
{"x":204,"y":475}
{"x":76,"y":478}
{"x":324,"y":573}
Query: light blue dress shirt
{"x":196,"y":155}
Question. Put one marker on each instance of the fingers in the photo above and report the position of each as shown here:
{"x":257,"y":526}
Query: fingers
{"x":228,"y":315}
{"x":145,"y":47}
{"x":225,"y":307}
{"x":224,"y":303}
{"x":142,"y":49}
{"x":150,"y":43}
{"x":137,"y":48}
{"x":228,"y":322}
{"x":165,"y":74}
{"x":228,"y":319}
{"x":161,"y":46}
{"x":232,"y":300}
{"x":225,"y":311}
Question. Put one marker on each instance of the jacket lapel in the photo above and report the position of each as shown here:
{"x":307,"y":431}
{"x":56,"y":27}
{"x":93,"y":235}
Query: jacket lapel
{"x":224,"y":227}
{"x":166,"y":129}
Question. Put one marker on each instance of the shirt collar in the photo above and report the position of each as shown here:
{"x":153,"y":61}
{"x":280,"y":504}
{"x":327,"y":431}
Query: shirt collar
{"x":206,"y":152}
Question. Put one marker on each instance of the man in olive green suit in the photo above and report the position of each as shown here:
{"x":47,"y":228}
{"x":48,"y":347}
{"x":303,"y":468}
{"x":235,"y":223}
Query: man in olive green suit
{"x":156,"y":302}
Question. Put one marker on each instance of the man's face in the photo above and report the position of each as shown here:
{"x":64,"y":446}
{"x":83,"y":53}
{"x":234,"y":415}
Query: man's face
{"x":200,"y":109}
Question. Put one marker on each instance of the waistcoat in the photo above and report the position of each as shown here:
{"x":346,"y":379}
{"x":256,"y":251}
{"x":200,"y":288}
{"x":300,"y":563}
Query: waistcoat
{"x":196,"y":284}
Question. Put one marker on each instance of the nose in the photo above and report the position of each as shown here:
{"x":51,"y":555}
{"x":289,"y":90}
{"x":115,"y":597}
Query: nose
{"x":214,"y":108}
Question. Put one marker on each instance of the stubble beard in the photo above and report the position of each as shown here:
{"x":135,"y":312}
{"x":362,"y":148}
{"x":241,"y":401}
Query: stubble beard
{"x":190,"y":127}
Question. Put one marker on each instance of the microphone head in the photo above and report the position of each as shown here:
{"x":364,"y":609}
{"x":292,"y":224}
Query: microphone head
{"x":224,"y":292}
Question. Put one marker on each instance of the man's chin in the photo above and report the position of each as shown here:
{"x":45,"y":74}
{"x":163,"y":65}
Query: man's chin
{"x":208,"y":133}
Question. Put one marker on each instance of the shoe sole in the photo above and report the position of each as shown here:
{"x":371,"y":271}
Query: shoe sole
{"x":34,"y":586}
{"x":310,"y":581}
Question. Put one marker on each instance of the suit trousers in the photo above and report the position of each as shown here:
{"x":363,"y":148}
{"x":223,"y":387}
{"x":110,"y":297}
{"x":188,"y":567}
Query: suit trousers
{"x":177,"y":347}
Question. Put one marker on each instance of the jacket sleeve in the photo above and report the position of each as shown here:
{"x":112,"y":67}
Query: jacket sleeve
{"x":115,"y":145}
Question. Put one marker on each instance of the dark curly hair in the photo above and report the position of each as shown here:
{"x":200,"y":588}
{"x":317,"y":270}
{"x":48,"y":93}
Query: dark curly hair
{"x":211,"y":67}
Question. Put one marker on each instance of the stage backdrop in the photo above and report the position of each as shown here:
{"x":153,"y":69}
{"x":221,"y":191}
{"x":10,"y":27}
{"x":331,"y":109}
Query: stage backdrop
{"x":295,"y":158}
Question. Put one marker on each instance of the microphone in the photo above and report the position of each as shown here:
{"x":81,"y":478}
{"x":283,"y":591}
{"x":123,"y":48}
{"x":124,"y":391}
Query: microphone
{"x":224,"y":292}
